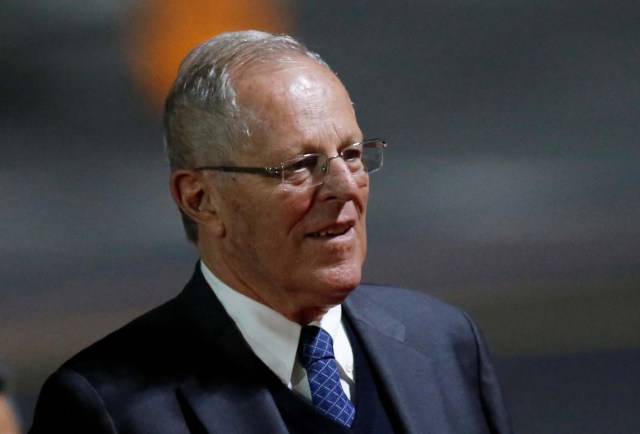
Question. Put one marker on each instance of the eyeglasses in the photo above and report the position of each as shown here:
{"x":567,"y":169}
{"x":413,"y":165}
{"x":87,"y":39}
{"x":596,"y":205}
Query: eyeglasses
{"x":310,"y":170}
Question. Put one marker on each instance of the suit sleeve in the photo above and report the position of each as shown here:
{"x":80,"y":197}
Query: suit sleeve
{"x":490,"y":392}
{"x":68,"y":403}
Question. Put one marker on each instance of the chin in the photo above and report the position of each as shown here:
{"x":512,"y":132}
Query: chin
{"x":338,"y":282}
{"x":331,"y":287}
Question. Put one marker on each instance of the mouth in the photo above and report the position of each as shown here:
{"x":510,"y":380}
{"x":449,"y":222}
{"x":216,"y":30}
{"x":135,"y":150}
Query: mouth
{"x":332,"y":231}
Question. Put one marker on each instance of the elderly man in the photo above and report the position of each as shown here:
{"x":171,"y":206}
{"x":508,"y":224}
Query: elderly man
{"x":274,"y":332}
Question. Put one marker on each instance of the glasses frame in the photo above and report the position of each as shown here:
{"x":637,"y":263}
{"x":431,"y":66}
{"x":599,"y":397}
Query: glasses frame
{"x":278,"y":170}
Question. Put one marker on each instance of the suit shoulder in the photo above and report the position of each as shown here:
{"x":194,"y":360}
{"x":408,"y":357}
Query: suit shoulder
{"x":140,"y":340}
{"x":395,"y":298}
{"x":108,"y":378}
{"x":414,"y":308}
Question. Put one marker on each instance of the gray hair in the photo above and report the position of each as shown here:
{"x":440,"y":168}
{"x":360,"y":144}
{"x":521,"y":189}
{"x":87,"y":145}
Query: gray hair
{"x":203,"y":121}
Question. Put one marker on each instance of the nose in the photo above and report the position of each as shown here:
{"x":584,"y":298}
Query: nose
{"x":340,"y":183}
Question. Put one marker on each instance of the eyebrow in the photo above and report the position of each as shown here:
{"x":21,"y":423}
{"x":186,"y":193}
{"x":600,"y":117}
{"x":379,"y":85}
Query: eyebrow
{"x":313,"y":148}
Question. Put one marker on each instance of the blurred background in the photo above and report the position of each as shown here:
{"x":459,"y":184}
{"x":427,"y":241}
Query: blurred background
{"x":511,"y":185}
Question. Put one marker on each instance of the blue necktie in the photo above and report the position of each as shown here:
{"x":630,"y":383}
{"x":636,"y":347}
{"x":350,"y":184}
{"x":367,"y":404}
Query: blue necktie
{"x":316,"y":354}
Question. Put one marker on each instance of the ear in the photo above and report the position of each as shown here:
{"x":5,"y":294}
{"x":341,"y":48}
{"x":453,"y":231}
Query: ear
{"x":197,"y":198}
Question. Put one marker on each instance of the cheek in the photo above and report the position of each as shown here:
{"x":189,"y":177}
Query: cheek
{"x":290,"y":210}
{"x":273,"y":224}
{"x":363,"y":224}
{"x":242,"y":223}
{"x":364,"y":196}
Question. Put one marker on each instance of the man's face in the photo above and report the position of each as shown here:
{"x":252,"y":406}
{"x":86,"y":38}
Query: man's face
{"x":297,"y":251}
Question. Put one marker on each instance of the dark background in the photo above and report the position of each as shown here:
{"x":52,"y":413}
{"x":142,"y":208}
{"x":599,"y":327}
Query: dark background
{"x":510,"y":186}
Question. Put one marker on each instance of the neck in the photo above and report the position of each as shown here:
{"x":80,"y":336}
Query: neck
{"x":300,"y":315}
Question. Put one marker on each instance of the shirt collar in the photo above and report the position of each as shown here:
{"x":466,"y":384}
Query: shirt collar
{"x":271,"y":336}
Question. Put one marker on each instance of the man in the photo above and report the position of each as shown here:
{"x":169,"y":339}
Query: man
{"x":273,"y":333}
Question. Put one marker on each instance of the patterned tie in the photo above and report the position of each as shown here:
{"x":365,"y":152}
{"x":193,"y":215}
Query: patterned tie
{"x":316,"y":354}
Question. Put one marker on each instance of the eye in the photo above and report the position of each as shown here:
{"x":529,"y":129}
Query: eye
{"x":307,"y":162}
{"x":352,"y":153}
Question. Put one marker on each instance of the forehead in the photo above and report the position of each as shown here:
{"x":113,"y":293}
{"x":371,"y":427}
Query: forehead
{"x":296,"y":102}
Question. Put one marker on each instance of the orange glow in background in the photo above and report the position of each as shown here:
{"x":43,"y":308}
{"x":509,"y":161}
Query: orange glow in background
{"x":160,"y":32}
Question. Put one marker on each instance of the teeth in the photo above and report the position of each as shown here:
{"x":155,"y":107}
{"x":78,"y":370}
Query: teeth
{"x":332,"y":232}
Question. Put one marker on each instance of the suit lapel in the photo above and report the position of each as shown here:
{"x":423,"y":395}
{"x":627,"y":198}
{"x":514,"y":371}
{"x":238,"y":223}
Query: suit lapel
{"x":228,"y":407}
{"x":225,"y":387}
{"x":406,"y":374}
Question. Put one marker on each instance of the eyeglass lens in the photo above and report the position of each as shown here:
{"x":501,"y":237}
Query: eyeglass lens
{"x":310,"y":170}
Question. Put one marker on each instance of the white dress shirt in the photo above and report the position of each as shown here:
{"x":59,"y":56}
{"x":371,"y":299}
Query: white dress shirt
{"x":274,"y":338}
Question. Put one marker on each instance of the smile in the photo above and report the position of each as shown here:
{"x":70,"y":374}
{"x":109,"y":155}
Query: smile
{"x":332,"y":232}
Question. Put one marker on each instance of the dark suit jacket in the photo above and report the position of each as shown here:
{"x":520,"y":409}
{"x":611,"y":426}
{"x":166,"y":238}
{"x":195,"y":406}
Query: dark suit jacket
{"x":184,"y":367}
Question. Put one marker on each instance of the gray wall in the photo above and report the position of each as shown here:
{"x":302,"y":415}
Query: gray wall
{"x":510,"y":186}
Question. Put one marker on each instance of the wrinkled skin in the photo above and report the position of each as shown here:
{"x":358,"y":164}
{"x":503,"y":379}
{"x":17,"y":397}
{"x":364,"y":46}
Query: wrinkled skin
{"x":265,"y":241}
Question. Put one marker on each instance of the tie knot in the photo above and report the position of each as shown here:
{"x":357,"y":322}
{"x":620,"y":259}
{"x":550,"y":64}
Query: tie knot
{"x":315,"y":344}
